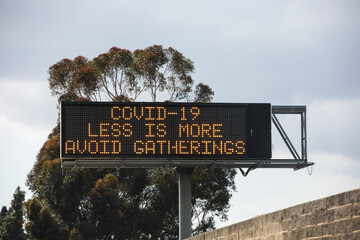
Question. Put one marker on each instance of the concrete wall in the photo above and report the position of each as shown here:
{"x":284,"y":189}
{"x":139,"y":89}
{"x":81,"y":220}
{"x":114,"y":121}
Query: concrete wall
{"x":332,"y":218}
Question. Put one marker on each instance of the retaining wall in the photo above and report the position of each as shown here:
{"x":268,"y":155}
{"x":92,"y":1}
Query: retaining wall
{"x":332,"y":218}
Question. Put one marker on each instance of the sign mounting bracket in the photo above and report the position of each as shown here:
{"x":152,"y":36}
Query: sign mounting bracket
{"x":299,"y":110}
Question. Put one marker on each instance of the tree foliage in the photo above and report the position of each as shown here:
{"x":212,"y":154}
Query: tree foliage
{"x":11,"y":221}
{"x":42,"y":222}
{"x":121,"y":203}
{"x":203,"y":93}
{"x":123,"y":75}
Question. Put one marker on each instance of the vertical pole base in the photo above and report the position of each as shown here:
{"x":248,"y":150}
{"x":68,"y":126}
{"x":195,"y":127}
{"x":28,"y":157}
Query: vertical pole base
{"x":184,"y":202}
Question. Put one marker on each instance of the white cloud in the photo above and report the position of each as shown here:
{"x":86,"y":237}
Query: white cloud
{"x":21,"y":131}
{"x":335,"y":115}
{"x":337,"y":165}
{"x":27,"y":102}
{"x":17,"y":93}
{"x":27,"y":115}
{"x":295,"y":25}
{"x":332,"y":126}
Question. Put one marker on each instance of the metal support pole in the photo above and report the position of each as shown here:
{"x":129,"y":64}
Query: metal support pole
{"x":184,"y":202}
{"x":303,"y":136}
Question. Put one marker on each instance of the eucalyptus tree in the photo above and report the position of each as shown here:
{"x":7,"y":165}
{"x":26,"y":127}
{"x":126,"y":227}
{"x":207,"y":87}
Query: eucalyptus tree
{"x":121,"y":203}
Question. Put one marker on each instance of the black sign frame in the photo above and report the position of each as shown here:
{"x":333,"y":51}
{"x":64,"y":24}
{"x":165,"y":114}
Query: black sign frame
{"x":258,"y":131}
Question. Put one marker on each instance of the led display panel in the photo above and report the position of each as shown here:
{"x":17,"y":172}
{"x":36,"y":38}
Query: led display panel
{"x":142,"y":130}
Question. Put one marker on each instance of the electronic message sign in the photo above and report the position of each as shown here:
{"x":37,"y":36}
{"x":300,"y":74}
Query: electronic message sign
{"x":107,"y":130}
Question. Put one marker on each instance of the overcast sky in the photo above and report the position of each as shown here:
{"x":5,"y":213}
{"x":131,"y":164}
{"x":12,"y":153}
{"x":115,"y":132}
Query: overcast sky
{"x":280,"y":52}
